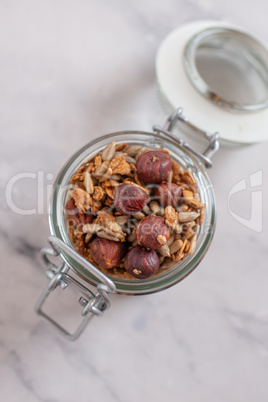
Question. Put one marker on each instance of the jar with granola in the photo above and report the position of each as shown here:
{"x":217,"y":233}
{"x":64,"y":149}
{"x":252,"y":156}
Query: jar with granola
{"x":131,"y":212}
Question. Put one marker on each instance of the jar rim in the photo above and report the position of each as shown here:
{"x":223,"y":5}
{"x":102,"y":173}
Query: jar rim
{"x":172,"y":275}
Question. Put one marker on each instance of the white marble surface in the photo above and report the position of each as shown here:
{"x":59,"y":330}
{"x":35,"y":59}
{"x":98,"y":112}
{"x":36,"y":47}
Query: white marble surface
{"x":71,"y":71}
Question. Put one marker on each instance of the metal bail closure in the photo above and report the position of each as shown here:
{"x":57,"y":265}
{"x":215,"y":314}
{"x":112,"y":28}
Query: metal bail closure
{"x":93,"y":304}
{"x":177,"y":117}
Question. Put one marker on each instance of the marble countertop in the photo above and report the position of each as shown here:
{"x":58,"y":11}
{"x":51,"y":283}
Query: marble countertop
{"x":70,"y":72}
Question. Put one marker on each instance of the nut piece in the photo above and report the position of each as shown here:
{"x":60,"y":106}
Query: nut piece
{"x":152,"y":232}
{"x":79,"y":218}
{"x":171,"y":217}
{"x":107,"y":253}
{"x":97,"y":161}
{"x":72,"y":211}
{"x":187,"y":177}
{"x":81,"y":199}
{"x":153,"y":166}
{"x":141,"y":263}
{"x":109,"y":225}
{"x":168,"y":194}
{"x":130,"y":198}
{"x":119,"y":165}
{"x":98,"y":193}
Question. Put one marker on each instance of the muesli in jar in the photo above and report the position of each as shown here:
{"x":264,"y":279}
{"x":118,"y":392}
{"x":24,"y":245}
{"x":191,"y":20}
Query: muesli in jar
{"x":133,"y":212}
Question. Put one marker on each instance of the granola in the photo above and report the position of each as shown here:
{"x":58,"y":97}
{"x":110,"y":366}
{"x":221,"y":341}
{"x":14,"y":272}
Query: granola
{"x":171,"y":216}
{"x":82,"y":200}
{"x":91,"y":214}
{"x":120,"y":165}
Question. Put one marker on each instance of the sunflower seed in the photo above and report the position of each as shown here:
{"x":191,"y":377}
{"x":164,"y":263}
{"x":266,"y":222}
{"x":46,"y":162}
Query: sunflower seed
{"x":120,"y":147}
{"x":196,"y":228}
{"x":161,"y":211}
{"x":120,"y":154}
{"x":182,"y":208}
{"x":101,"y":169}
{"x":188,"y":234}
{"x":106,"y":175}
{"x":118,"y":235}
{"x":147,"y":210}
{"x":155,"y":207}
{"x":108,"y":152}
{"x":195,"y":203}
{"x":92,"y":228}
{"x":105,"y":235}
{"x":176,"y":246}
{"x":139,"y":215}
{"x":116,"y":177}
{"x":161,"y":259}
{"x":164,"y":250}
{"x":188,"y":216}
{"x":192,"y":245}
{"x":130,"y":160}
{"x":168,"y":264}
{"x":178,"y":228}
{"x":171,"y":240}
{"x":189,"y":225}
{"x":132,"y":150}
{"x":88,"y":183}
{"x":122,"y":219}
{"x":133,"y":223}
{"x":187,"y":246}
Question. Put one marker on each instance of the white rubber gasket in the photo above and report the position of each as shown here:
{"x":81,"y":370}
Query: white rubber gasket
{"x":177,"y":90}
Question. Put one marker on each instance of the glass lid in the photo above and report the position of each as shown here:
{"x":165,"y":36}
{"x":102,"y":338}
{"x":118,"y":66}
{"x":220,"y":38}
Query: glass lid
{"x":219,"y":72}
{"x":228,"y":67}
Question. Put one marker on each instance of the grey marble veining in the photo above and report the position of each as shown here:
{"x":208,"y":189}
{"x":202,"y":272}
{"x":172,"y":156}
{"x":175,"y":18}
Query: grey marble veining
{"x":72,"y":71}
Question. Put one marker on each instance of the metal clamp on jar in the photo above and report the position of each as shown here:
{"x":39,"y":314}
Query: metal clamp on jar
{"x":178,"y":76}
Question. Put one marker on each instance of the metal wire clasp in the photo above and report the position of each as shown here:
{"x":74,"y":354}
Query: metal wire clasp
{"x":177,"y":117}
{"x":93,"y":304}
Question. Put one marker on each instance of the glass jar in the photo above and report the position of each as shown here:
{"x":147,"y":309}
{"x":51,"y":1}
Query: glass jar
{"x":188,"y":158}
{"x":181,"y":80}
